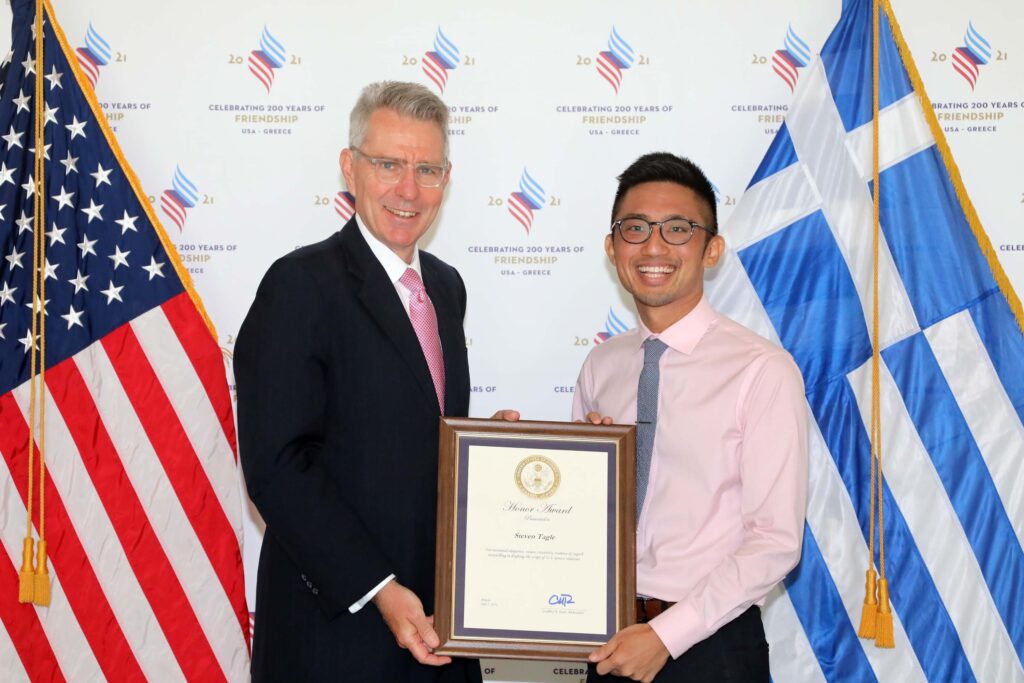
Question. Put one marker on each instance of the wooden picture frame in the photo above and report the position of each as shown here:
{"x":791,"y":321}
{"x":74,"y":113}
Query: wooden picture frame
{"x":536,"y":554}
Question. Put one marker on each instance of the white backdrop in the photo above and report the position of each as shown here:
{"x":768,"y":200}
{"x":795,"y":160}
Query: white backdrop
{"x":525,"y":95}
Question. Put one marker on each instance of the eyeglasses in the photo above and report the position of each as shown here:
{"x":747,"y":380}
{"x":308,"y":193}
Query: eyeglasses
{"x":675,"y":231}
{"x":391,"y":171}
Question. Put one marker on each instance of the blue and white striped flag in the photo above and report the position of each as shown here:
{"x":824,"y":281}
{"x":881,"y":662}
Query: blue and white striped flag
{"x":799,"y":270}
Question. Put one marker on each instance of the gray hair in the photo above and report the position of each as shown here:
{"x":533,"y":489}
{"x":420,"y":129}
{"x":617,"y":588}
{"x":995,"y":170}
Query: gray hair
{"x":407,"y":99}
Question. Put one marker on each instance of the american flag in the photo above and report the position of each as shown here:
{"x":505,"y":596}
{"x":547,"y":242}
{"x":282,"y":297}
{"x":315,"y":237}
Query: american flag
{"x":951,"y":383}
{"x":143,"y":504}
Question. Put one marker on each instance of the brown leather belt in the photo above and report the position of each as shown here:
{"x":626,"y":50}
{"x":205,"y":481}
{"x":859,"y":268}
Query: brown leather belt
{"x":648,"y":608}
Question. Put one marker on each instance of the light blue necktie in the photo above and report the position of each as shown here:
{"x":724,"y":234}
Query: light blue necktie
{"x":647,"y":416}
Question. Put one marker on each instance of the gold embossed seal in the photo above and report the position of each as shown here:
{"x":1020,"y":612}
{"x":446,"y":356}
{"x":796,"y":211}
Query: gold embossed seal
{"x":537,"y":476}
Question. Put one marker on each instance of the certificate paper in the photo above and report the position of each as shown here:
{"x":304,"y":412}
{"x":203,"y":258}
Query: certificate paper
{"x":535,"y":549}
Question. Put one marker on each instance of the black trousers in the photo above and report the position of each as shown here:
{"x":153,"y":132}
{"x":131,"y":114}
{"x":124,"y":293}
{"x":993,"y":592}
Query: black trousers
{"x":736,"y":652}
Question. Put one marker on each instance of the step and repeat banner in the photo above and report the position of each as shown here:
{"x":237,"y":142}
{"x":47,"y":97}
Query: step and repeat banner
{"x":233,"y":115}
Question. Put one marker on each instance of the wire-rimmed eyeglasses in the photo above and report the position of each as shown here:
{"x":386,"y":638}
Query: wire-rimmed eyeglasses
{"x":391,"y":171}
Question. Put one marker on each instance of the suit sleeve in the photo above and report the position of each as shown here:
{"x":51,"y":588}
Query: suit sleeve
{"x":280,"y":371}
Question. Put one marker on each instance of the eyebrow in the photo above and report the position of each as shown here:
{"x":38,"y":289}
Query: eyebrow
{"x":414,"y":163}
{"x":644,"y":216}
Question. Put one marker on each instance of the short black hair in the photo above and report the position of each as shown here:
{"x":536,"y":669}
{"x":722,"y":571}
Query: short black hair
{"x":665,"y":167}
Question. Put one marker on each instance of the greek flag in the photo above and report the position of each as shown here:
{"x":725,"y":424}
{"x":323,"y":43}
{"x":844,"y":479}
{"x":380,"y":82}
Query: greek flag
{"x":799,"y":270}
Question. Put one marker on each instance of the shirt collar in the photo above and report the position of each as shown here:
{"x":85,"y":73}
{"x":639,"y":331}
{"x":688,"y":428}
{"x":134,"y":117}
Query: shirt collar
{"x":393,"y":264}
{"x":683,"y":334}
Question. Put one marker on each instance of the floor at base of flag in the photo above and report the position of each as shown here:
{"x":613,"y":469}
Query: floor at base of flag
{"x":736,"y":652}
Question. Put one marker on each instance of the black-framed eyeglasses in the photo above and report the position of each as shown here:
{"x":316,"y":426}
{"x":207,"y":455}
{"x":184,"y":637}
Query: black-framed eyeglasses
{"x":675,"y":231}
{"x":391,"y":171}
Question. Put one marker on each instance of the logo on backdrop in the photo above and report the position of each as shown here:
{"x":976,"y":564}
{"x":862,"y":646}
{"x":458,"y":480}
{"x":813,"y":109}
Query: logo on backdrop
{"x":442,"y":59}
{"x":973,"y":115}
{"x":182,"y":196}
{"x":227,"y":352}
{"x":618,"y":57}
{"x":613,"y":325}
{"x":529,"y":198}
{"x":344,"y":205}
{"x":974,"y":53}
{"x":722,"y":199}
{"x":94,"y":55}
{"x":264,"y":61}
{"x":795,"y":55}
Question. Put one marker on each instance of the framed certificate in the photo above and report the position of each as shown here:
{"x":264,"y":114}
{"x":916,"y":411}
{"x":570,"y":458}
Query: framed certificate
{"x":536,"y":553}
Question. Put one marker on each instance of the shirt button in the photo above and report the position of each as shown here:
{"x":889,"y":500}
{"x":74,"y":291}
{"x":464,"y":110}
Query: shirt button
{"x":309,"y":584}
{"x":316,"y":591}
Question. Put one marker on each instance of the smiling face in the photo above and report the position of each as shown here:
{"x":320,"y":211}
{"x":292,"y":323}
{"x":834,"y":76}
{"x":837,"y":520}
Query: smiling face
{"x":399,"y":214}
{"x":666,"y":281}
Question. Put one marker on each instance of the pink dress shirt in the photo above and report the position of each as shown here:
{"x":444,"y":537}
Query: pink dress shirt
{"x":723,"y":517}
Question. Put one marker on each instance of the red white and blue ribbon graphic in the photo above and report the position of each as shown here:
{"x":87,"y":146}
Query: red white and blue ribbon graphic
{"x":264,"y":61}
{"x":530,"y":198}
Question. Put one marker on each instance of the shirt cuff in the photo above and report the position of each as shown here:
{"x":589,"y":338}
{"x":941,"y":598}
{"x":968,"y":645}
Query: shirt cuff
{"x":679,"y":628}
{"x":361,"y":602}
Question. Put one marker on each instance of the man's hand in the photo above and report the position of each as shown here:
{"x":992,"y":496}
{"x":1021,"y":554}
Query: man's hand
{"x":414,"y":631}
{"x":635,"y":652}
{"x":506,"y":415}
{"x":597,"y":419}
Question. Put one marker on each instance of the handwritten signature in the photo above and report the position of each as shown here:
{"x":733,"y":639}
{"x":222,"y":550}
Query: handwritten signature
{"x":561,"y":599}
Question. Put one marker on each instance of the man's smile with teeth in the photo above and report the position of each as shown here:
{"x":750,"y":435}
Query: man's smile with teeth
{"x":656,"y":269}
{"x":399,"y":212}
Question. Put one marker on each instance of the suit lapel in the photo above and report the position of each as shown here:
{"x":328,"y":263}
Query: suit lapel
{"x":449,"y":320}
{"x":378,"y":296}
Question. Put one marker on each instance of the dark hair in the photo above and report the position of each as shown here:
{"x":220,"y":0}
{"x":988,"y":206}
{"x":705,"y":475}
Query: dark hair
{"x":664,"y":167}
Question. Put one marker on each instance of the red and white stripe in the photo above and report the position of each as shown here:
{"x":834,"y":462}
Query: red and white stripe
{"x":89,"y":67}
{"x":173,"y":209}
{"x":609,"y":70}
{"x":344,"y":206}
{"x":259,"y":68}
{"x":521,"y":212}
{"x":965,"y":66}
{"x":786,"y":69}
{"x":143,"y":511}
{"x":435,"y":71}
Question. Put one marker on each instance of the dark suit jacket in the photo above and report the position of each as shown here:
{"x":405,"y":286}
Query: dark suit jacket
{"x":338,"y":430}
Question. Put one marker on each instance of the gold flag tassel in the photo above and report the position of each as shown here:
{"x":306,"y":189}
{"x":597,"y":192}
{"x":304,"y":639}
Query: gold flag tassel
{"x":34,"y":579}
{"x":26,"y":579}
{"x":881,"y":629}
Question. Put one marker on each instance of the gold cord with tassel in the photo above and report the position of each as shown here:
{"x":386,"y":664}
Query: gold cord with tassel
{"x":33,"y":578}
{"x":42,"y":576}
{"x":876,"y":619}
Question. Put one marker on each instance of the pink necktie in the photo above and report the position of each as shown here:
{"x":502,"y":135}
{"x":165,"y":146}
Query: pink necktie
{"x":424,"y":321}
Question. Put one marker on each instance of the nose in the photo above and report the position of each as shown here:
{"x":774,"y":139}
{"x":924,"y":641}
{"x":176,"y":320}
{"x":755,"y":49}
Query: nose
{"x":655,"y":244}
{"x":407,"y":187}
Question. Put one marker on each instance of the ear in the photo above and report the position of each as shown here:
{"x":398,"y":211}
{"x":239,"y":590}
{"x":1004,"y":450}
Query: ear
{"x":713,"y":251}
{"x":609,"y":247}
{"x":345,"y":160}
{"x":447,"y":175}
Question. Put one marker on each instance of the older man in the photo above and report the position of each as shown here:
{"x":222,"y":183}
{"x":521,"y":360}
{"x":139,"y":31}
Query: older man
{"x":721,"y":442}
{"x":351,"y":351}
